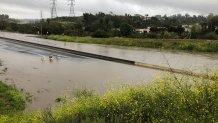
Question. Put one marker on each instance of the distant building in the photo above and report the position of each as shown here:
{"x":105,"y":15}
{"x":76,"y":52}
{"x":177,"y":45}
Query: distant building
{"x":187,"y":27}
{"x":115,"y":29}
{"x":144,"y":30}
{"x":216,"y":28}
{"x":147,"y":18}
{"x":162,"y":28}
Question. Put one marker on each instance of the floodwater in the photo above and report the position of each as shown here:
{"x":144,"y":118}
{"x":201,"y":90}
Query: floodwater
{"x":47,"y":80}
{"x":195,"y":62}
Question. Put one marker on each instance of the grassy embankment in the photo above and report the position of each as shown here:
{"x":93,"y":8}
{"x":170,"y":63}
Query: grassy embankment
{"x":10,"y":100}
{"x":168,"y":99}
{"x":177,"y":44}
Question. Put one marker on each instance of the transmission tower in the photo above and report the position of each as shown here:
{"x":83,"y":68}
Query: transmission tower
{"x":53,"y":8}
{"x":72,"y":5}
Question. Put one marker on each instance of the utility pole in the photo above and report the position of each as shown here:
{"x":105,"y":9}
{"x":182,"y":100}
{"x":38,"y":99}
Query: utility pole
{"x":72,"y":7}
{"x":41,"y":20}
{"x":53,"y":8}
{"x":146,"y":20}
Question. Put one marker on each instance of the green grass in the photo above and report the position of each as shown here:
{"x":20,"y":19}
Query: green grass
{"x":10,"y":100}
{"x":167,"y":99}
{"x":176,"y":44}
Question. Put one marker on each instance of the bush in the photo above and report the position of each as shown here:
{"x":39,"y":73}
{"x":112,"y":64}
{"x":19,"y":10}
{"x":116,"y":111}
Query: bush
{"x":25,"y":28}
{"x":116,"y":33}
{"x":68,"y":32}
{"x":170,"y":35}
{"x":211,"y":36}
{"x":10,"y":100}
{"x":100,"y":34}
{"x":154,"y":35}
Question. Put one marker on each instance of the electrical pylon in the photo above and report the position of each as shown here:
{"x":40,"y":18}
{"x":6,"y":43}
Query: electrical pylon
{"x":53,"y":8}
{"x":72,"y":7}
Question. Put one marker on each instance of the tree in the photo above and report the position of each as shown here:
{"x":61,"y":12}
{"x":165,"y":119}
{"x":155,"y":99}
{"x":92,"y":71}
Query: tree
{"x":210,"y":16}
{"x":103,"y":24}
{"x":179,"y":30}
{"x":25,"y":28}
{"x":3,"y":24}
{"x":55,"y":28}
{"x":126,"y":29}
{"x":88,"y":20}
{"x":214,"y":21}
{"x":4,"y":17}
{"x":213,"y":24}
{"x":195,"y":31}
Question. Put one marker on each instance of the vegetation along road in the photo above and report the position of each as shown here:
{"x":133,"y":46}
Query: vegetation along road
{"x":176,"y":44}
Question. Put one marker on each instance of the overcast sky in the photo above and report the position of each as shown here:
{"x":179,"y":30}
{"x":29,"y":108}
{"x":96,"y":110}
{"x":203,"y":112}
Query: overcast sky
{"x":31,"y":8}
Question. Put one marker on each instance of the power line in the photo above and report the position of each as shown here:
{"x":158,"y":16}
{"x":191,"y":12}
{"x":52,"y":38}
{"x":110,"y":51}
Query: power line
{"x":53,"y":8}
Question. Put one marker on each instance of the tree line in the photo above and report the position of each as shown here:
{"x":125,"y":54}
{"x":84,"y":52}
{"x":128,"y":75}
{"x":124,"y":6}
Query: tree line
{"x":103,"y":25}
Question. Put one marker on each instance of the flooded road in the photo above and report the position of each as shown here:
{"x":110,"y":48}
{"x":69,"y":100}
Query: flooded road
{"x":47,"y":80}
{"x":195,"y":62}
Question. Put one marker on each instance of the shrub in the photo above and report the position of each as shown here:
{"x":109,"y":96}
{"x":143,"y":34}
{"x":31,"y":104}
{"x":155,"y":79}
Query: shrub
{"x":154,"y":35}
{"x":10,"y":100}
{"x":116,"y":33}
{"x":211,"y":36}
{"x":68,"y":32}
{"x":100,"y":34}
{"x":170,"y":35}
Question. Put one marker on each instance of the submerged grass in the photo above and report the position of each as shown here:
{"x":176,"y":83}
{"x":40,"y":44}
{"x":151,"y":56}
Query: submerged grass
{"x":177,"y":44}
{"x":167,"y":99}
{"x":10,"y":100}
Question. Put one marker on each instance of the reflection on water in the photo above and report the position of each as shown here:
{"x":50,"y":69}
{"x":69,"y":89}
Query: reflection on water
{"x":47,"y":80}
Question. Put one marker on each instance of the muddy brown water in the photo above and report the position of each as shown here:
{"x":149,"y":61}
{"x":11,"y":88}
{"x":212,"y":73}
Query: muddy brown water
{"x":192,"y":61}
{"x":47,"y":80}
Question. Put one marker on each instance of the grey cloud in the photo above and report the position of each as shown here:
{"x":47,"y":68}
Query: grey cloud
{"x":31,"y":8}
{"x":200,"y":6}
